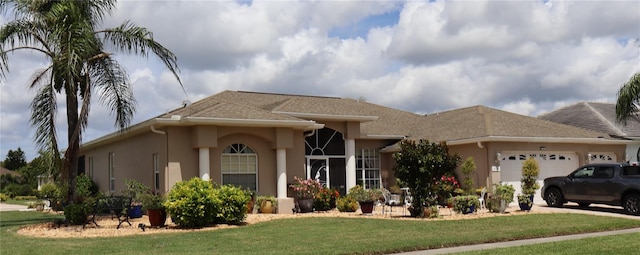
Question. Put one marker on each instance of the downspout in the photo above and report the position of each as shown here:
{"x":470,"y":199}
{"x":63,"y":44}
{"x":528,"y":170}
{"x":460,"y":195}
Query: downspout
{"x":166,"y":143}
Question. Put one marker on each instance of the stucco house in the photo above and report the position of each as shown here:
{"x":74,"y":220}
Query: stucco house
{"x":260,"y":141}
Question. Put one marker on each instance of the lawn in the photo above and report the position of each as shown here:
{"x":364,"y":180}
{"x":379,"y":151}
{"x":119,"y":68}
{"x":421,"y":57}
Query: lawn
{"x":614,"y":244}
{"x":311,"y":235}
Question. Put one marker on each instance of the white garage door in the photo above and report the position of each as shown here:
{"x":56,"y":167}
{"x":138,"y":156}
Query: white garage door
{"x":551,"y":164}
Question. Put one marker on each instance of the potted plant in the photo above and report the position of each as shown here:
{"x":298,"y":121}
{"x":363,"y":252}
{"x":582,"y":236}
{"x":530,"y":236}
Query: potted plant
{"x":465,"y":204}
{"x":134,"y":189}
{"x":251,"y":202}
{"x":365,"y":197}
{"x":267,"y":204}
{"x":503,"y":196}
{"x":529,"y":183}
{"x":305,"y":191}
{"x":154,"y":205}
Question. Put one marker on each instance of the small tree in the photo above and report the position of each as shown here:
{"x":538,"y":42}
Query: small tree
{"x":468,"y":167}
{"x":529,"y":181}
{"x":419,"y":166}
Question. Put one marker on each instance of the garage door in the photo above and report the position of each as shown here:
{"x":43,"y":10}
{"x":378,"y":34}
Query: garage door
{"x":551,"y":164}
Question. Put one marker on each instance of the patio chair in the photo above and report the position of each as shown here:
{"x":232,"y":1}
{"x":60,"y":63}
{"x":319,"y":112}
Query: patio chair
{"x":391,"y":200}
{"x":481,"y":198}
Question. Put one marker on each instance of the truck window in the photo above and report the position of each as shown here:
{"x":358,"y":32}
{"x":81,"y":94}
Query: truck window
{"x":603,"y":172}
{"x":585,"y":172}
{"x":631,"y":171}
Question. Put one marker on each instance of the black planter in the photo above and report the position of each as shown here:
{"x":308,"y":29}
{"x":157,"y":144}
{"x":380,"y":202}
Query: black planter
{"x":366,"y":207}
{"x":306,"y":205}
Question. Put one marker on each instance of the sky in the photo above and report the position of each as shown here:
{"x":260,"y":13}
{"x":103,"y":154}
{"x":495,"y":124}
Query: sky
{"x":526,"y":57}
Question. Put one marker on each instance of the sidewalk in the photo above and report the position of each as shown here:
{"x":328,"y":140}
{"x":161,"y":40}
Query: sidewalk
{"x":488,"y":246}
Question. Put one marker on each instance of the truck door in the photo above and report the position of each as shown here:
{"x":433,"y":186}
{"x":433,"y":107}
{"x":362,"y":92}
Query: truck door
{"x":576,"y":184}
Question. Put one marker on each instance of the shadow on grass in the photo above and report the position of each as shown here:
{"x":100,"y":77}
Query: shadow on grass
{"x":10,"y":219}
{"x":596,"y":208}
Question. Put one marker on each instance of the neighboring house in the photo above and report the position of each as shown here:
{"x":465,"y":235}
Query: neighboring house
{"x":4,"y":171}
{"x":260,"y":141}
{"x":601,"y":117}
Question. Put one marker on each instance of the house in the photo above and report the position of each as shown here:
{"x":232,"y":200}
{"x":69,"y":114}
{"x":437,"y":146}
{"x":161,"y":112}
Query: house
{"x":260,"y":141}
{"x":600,"y":117}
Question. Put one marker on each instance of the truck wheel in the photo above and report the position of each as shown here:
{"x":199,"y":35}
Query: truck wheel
{"x":554,"y":198}
{"x":631,"y":204}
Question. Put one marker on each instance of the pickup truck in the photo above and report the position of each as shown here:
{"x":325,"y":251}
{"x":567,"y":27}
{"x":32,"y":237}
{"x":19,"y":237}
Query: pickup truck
{"x":616,"y":184}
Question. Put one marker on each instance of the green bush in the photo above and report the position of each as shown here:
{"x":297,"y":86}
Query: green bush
{"x":76,"y":214}
{"x":193,"y":203}
{"x":48,"y":190}
{"x":14,"y":189}
{"x":463,"y":204}
{"x":86,"y":187}
{"x":25,"y":198}
{"x":347,"y":204}
{"x":233,"y":207}
{"x":3,"y":197}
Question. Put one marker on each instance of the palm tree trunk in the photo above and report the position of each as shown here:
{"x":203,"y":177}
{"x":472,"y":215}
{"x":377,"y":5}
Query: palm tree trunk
{"x":71,"y":155}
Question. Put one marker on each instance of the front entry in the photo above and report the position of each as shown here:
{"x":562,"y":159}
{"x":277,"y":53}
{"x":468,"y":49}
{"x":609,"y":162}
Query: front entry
{"x":318,"y":169}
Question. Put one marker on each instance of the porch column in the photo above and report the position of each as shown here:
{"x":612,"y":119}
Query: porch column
{"x":203,"y":160}
{"x":281,"y":172}
{"x":350,"y":148}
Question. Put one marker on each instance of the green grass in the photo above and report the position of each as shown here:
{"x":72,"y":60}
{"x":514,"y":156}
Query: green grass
{"x":614,"y":244}
{"x":21,"y":202}
{"x":311,"y":235}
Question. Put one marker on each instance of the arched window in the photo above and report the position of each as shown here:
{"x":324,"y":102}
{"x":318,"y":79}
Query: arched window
{"x":240,"y":166}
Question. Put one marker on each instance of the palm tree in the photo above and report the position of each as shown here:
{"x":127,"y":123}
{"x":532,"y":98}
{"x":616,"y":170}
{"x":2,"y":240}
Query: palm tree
{"x":65,"y":32}
{"x":628,"y":99}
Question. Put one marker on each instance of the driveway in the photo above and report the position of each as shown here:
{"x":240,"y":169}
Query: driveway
{"x":596,"y":209}
{"x":10,"y":207}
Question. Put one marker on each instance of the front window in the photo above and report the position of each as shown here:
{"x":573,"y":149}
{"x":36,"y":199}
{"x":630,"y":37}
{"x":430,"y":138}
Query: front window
{"x":240,"y":167}
{"x":585,"y":172}
{"x":156,"y":171}
{"x":112,"y":178}
{"x":368,"y":168}
{"x":91,"y":168}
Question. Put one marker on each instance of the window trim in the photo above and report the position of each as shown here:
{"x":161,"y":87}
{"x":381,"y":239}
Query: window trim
{"x":239,"y":153}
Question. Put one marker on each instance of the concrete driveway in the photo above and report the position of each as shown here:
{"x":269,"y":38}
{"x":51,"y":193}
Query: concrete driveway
{"x":9,"y":207}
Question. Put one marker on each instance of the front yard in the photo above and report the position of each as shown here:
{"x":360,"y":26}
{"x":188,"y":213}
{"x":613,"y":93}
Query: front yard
{"x":310,"y":235}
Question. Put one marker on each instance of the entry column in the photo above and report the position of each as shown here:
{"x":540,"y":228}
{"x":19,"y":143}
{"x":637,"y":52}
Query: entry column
{"x":350,"y":149}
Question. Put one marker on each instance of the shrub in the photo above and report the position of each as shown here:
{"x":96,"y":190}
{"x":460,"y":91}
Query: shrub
{"x":48,"y":190}
{"x":325,"y":199}
{"x":347,"y":204}
{"x":365,"y":195}
{"x":233,"y":207}
{"x":3,"y":197}
{"x":193,"y":203}
{"x":86,"y":187}
{"x":25,"y":198}
{"x":14,"y":189}
{"x":134,"y":189}
{"x":76,"y":214}
{"x":468,"y":167}
{"x":463,"y":204}
{"x":505,"y":191}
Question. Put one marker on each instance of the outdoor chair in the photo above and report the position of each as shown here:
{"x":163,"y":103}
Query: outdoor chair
{"x":391,"y":200}
{"x":481,"y":198}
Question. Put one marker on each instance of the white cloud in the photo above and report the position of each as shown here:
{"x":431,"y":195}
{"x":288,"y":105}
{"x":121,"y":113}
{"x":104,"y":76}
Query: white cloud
{"x":525,"y":57}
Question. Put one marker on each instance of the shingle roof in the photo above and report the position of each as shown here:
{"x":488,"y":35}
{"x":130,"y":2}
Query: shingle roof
{"x":389,"y":121}
{"x":480,"y":121}
{"x":599,"y":117}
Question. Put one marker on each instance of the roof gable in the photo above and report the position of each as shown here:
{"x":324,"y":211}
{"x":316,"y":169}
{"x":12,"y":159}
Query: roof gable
{"x":479,"y":121}
{"x":600,"y":117}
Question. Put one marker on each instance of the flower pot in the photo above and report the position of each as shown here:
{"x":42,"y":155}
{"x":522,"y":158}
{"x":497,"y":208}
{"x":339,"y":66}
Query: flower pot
{"x":157,"y":217}
{"x":250,"y":205}
{"x":366,"y":207}
{"x":135,"y":211}
{"x":470,"y":209}
{"x":305,"y":205}
{"x":503,"y":206}
{"x":267,"y":207}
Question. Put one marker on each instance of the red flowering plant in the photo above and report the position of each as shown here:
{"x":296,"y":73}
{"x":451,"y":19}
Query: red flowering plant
{"x":325,"y":199}
{"x":446,"y":186}
{"x":305,"y":189}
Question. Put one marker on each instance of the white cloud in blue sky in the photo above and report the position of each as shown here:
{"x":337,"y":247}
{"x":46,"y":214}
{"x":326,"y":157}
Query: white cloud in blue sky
{"x":527,"y":57}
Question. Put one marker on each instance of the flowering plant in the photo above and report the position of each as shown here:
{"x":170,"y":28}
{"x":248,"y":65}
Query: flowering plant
{"x":306,"y":188}
{"x":445,"y":187}
{"x":325,"y":199}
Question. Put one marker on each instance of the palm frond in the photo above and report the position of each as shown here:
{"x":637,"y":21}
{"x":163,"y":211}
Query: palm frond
{"x":115,"y":91}
{"x":138,"y":40}
{"x":43,"y":115}
{"x":628,"y":101}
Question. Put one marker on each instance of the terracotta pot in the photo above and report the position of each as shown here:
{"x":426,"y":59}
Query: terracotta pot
{"x":267,"y":207}
{"x":250,"y":205}
{"x":157,"y":217}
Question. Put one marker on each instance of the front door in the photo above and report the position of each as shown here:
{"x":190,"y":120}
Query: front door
{"x":318,"y":169}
